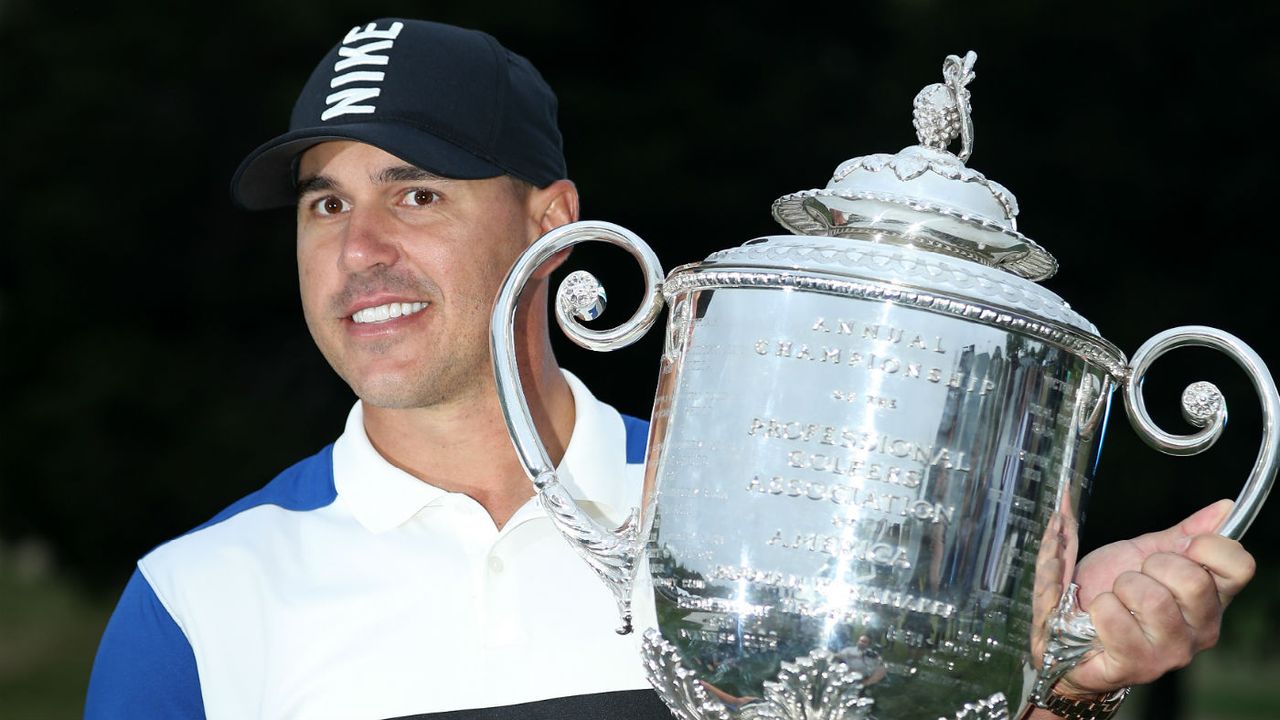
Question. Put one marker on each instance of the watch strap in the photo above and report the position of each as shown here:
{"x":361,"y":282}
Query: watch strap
{"x":1095,"y":708}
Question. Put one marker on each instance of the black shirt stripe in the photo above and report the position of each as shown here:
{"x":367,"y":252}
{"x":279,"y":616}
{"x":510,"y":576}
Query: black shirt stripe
{"x":621,"y":705}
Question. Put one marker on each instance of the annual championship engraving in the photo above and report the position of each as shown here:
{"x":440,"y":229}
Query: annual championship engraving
{"x":870,"y":449}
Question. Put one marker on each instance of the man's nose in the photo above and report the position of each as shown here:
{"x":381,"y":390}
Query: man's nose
{"x":369,"y":241}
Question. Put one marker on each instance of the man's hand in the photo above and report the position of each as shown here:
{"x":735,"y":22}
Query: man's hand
{"x":1157,"y":600}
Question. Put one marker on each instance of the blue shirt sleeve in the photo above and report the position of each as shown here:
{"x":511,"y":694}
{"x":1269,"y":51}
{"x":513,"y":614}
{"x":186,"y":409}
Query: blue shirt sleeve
{"x":145,"y":667}
{"x":637,"y":438}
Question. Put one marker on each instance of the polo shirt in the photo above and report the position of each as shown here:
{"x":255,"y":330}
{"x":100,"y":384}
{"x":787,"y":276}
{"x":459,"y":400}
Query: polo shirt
{"x":347,"y":588}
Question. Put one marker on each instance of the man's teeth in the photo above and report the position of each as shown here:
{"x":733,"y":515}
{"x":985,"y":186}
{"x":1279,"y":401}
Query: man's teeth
{"x":386,"y":312}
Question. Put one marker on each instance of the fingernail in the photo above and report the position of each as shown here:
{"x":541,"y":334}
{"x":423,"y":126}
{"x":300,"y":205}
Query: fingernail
{"x":1184,"y":543}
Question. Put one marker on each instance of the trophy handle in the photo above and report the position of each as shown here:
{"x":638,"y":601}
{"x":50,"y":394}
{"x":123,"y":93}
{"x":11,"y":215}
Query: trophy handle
{"x":1204,"y":407}
{"x":1072,"y":635}
{"x":612,"y":554}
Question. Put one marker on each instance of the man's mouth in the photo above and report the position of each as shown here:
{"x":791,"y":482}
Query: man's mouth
{"x":389,"y":311}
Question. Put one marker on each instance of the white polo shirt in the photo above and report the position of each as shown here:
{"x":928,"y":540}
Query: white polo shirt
{"x":381,"y":596}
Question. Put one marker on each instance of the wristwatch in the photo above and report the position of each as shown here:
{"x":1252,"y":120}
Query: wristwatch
{"x":1097,"y":708}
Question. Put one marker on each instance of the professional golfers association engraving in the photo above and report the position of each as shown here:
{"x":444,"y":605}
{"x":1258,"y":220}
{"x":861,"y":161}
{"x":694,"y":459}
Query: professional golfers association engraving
{"x":869,"y":447}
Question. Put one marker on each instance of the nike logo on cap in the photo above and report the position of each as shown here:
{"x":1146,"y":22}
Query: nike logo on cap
{"x":348,"y":101}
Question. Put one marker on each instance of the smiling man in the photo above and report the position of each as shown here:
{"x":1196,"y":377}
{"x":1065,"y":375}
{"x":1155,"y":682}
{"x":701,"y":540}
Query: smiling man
{"x":402,"y":571}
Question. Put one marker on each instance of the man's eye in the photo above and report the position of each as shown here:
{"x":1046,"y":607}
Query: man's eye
{"x":330,"y":205}
{"x":420,"y":197}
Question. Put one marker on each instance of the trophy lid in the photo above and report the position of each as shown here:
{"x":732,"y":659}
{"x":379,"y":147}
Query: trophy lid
{"x":924,"y":196}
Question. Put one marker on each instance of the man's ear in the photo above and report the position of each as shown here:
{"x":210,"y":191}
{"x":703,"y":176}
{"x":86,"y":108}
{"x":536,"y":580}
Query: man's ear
{"x":550,"y":207}
{"x":554,"y":205}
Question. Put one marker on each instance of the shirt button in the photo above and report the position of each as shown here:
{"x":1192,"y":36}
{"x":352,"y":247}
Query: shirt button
{"x":495,"y":564}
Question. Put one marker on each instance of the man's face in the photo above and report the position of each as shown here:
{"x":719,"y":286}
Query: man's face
{"x":398,"y":270}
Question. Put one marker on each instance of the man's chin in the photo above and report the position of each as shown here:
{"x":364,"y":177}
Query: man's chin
{"x":396,"y":392}
{"x":391,"y":394}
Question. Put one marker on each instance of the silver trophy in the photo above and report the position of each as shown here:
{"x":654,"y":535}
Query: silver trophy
{"x":869,"y":448}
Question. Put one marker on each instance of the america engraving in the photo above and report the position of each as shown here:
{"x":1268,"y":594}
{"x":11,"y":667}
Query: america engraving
{"x":847,"y":549}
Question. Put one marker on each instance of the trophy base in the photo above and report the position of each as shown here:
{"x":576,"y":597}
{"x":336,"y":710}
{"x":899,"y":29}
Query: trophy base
{"x":817,"y":686}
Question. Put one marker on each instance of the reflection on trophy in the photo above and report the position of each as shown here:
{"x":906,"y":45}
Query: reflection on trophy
{"x":869,"y":448}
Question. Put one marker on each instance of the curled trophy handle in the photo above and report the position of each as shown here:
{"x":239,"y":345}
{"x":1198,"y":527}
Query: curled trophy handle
{"x":1204,"y":407}
{"x":1072,"y":637}
{"x":612,"y":554}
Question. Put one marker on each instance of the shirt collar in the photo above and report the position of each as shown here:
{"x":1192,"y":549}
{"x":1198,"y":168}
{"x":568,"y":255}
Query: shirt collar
{"x":382,"y":496}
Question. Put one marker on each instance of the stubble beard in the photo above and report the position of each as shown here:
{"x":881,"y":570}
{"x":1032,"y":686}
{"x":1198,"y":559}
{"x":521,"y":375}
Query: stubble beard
{"x":449,"y":378}
{"x":457,"y":366}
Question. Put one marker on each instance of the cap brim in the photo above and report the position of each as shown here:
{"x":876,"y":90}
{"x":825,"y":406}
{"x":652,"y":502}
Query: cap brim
{"x":265,"y":179}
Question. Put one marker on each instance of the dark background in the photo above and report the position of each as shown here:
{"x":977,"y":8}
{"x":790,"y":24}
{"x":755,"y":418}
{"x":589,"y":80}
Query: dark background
{"x":155,"y":362}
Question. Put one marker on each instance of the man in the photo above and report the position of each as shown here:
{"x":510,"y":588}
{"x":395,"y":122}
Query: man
{"x":863,"y":658}
{"x":402,"y":571}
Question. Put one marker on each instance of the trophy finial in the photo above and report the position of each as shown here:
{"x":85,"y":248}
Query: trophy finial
{"x":924,"y":195}
{"x":941,"y":110}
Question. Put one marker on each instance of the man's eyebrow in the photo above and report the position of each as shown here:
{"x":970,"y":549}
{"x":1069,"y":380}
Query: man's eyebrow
{"x":315,"y":183}
{"x":407,"y":173}
{"x":395,"y":174}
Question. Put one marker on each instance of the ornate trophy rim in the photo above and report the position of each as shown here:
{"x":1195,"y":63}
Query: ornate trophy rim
{"x":993,"y":244}
{"x":1089,"y":347}
{"x":865,"y":257}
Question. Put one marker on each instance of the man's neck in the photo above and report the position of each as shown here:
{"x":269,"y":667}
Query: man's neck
{"x":463,"y":446}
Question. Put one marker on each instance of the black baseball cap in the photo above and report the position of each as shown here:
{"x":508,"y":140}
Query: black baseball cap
{"x":449,"y":100}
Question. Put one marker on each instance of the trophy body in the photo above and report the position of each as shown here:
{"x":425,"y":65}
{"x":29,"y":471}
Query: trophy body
{"x":838,"y":471}
{"x":871,"y":447}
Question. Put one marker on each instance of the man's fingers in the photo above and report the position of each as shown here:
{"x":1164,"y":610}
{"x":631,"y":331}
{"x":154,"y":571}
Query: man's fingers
{"x":1204,"y":521}
{"x":1207,"y":519}
{"x":1141,"y":627}
{"x":1156,"y":609}
{"x":1229,"y":564}
{"x":1127,"y":649}
{"x":1193,"y":589}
